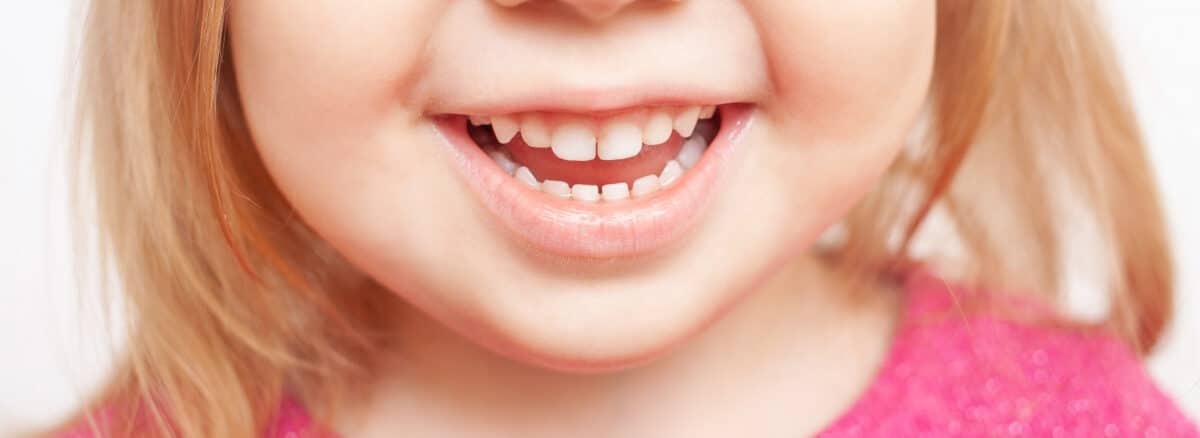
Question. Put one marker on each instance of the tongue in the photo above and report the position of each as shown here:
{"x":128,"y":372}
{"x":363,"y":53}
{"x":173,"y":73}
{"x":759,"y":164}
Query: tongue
{"x":545,"y":165}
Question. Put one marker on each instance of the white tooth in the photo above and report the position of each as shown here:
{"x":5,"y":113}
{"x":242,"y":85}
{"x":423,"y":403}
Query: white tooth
{"x":502,"y":159}
{"x":670,"y":173}
{"x":574,"y":142}
{"x":685,"y":122}
{"x":658,"y":128}
{"x":557,"y":188}
{"x":480,"y":120}
{"x":505,"y":127}
{"x":645,"y":185}
{"x":534,"y":132}
{"x":615,"y":192}
{"x":619,"y":140}
{"x":707,"y":112}
{"x":526,"y":177}
{"x":585,"y":192}
{"x":691,"y":152}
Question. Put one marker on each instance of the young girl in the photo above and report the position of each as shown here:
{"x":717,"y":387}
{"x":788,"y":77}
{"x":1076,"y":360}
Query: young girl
{"x":600,"y":218}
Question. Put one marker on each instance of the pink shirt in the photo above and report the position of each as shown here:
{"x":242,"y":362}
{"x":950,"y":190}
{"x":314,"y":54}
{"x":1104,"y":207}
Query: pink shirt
{"x":955,"y":373}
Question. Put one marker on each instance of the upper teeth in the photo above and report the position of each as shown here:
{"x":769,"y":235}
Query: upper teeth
{"x":505,"y":128}
{"x":534,"y":131}
{"x":643,"y":186}
{"x":614,"y":138}
{"x":619,"y":140}
{"x":573,"y":142}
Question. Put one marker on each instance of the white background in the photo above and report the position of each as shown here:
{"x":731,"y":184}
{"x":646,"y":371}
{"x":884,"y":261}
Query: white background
{"x":51,"y":352}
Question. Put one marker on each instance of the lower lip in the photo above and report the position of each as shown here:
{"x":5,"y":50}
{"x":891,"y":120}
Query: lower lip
{"x":603,"y":229}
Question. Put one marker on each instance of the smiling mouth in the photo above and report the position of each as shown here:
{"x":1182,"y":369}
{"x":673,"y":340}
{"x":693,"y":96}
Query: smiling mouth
{"x":631,"y":154}
{"x":618,"y":184}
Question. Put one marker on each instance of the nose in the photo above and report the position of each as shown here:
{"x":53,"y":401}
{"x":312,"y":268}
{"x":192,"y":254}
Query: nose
{"x":595,"y":10}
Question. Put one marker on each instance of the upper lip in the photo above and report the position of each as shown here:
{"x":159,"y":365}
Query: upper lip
{"x":492,"y":89}
{"x":592,"y":100}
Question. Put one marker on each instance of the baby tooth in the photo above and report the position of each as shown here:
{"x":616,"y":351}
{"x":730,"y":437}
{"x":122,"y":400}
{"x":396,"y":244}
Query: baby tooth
{"x":526,"y":177}
{"x":574,"y":142}
{"x":620,"y":140}
{"x":615,"y":192}
{"x":502,"y":159}
{"x":534,"y":132}
{"x":670,"y":173}
{"x":557,"y":188}
{"x":505,"y":127}
{"x":658,"y":128}
{"x":480,"y":120}
{"x":645,"y":185}
{"x":707,"y":112}
{"x":585,"y":192}
{"x":685,"y":122}
{"x":690,"y":154}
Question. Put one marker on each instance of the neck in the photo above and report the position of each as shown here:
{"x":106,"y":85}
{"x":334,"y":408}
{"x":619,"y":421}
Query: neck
{"x":799,"y":344}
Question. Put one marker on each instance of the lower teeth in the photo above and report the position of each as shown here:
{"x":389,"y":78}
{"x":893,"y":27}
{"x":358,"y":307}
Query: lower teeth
{"x":693,"y":148}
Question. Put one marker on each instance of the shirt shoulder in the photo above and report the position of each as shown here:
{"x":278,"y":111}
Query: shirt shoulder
{"x":956,"y":369}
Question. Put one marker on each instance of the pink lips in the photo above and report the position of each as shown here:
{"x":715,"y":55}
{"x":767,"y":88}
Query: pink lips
{"x":601,"y":230}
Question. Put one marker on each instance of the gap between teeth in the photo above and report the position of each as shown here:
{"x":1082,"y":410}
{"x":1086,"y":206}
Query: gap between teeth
{"x":693,"y":148}
{"x":615,"y":138}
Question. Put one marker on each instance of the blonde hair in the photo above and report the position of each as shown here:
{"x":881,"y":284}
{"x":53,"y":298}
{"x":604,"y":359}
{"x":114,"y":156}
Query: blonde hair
{"x":231,"y":300}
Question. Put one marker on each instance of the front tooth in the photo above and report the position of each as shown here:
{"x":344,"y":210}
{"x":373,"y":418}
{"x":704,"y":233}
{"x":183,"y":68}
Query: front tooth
{"x":691,"y":151}
{"x":685,"y":122}
{"x":658,"y":128}
{"x":620,"y":140}
{"x":585,"y":192}
{"x":534,"y":132}
{"x":615,"y":192}
{"x":480,"y":120}
{"x":574,"y":142}
{"x":505,"y":127}
{"x":557,"y":188}
{"x":526,"y":177}
{"x":502,"y":159}
{"x":670,"y":173}
{"x":707,"y":112}
{"x":645,"y":185}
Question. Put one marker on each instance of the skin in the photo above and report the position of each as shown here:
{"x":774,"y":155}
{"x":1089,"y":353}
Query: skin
{"x":338,"y":97}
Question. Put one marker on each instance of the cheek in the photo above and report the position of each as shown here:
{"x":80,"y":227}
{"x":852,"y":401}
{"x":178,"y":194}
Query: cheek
{"x":851,"y":78}
{"x":835,"y":62}
{"x":324,"y":86}
{"x":325,"y":89}
{"x":322,"y":82}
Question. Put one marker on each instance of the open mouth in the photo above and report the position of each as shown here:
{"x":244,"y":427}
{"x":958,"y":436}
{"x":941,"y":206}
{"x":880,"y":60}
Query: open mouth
{"x":632,"y":154}
{"x":616,"y":184}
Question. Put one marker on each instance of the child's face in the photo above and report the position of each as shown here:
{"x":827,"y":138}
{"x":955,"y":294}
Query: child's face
{"x":356,"y":108}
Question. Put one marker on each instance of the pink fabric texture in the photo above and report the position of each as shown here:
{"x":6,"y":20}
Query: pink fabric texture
{"x":954,"y":372}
